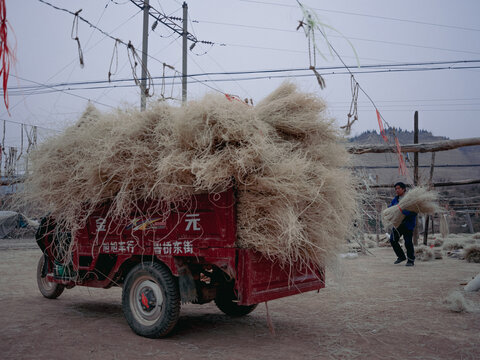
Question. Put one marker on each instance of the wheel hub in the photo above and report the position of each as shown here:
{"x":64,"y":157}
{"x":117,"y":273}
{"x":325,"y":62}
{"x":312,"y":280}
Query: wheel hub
{"x":147,"y":300}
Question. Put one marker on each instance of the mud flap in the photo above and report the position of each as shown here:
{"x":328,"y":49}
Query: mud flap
{"x":186,"y":283}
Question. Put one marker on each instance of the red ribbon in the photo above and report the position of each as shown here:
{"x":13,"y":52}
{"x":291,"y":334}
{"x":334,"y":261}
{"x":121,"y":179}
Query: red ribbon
{"x":6,"y":56}
{"x":235,"y":97}
{"x":380,"y":125}
{"x":402,"y":167}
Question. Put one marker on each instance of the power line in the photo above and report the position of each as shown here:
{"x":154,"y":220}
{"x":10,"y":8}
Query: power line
{"x":423,"y":110}
{"x":20,"y":123}
{"x":229,"y":79}
{"x":370,"y":16}
{"x":81,"y":97}
{"x":395,"y":106}
{"x":164,"y":19}
{"x":217,"y":89}
{"x":39,"y":90}
{"x":83,"y":19}
{"x":54,"y":105}
{"x":333,"y":35}
{"x":412,"y":100}
{"x":129,"y":45}
{"x":97,"y":28}
{"x":168,"y":22}
{"x":420,"y":166}
{"x":405,"y":67}
{"x":304,"y":52}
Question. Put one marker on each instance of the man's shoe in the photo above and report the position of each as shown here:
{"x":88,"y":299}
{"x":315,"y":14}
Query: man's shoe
{"x":409,"y":263}
{"x":398,"y":261}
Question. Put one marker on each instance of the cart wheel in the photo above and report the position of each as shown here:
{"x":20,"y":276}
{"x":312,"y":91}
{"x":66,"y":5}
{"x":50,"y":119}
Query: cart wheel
{"x":225,"y":301}
{"x":151,"y":300}
{"x":48,"y":289}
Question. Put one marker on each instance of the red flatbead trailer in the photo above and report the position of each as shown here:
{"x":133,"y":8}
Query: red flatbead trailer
{"x":163,"y":256}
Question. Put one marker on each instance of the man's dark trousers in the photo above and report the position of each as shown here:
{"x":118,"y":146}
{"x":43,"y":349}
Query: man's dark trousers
{"x":407,"y":237}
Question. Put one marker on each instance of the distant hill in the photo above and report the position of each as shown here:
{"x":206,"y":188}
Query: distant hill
{"x":404,"y":137}
{"x":461,"y":156}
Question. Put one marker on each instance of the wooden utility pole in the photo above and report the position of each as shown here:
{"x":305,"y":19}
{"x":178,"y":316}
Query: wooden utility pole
{"x":432,"y":167}
{"x":415,"y":168}
{"x":143,"y":83}
{"x":415,"y":155}
{"x":378,"y":209}
{"x":430,"y":184}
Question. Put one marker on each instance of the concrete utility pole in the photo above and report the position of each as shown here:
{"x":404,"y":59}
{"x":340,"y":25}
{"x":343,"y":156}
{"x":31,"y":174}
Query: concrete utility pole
{"x":184,"y":53}
{"x":167,"y":21}
{"x":143,"y":83}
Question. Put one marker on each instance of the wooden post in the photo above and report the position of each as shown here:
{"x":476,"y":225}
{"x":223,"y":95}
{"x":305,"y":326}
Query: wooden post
{"x":432,"y":166}
{"x":378,"y":208}
{"x":469,"y":221}
{"x":425,"y":232}
{"x":415,"y":168}
{"x":430,"y":184}
{"x":415,"y":155}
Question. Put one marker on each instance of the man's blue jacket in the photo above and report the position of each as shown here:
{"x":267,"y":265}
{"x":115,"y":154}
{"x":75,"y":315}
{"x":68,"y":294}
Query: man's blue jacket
{"x":410,"y":217}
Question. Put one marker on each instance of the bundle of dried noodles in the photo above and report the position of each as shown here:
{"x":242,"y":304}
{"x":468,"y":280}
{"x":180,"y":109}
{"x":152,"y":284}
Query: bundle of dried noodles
{"x":295,"y":193}
{"x":419,"y":200}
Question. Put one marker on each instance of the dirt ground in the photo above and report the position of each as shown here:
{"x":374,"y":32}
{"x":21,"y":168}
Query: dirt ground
{"x":375,"y":310}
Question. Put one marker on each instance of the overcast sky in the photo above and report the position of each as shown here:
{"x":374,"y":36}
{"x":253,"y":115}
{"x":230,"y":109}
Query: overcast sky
{"x":252,"y":35}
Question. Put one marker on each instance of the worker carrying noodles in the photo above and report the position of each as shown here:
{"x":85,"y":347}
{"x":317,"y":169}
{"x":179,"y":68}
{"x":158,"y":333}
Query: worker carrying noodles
{"x":405,"y":229}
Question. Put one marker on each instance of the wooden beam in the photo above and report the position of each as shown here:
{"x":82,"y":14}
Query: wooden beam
{"x":422,"y":147}
{"x":456,"y":183}
{"x":450,"y":183}
{"x":11,"y":181}
{"x":466,"y":205}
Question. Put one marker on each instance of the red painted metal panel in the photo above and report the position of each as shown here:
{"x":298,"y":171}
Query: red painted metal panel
{"x":206,"y":221}
{"x":202,"y":229}
{"x":260,"y":279}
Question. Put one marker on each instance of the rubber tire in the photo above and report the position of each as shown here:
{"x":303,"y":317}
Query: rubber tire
{"x":48,"y":289}
{"x":225,"y":302}
{"x":162,"y":281}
